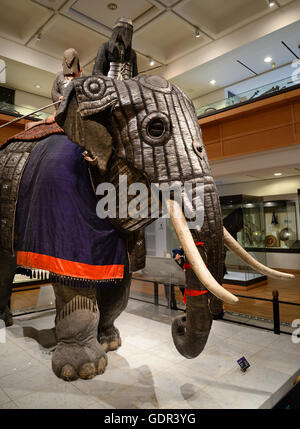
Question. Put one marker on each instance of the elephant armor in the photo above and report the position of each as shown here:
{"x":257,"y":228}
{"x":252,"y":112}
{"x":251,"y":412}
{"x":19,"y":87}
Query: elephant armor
{"x":143,"y":128}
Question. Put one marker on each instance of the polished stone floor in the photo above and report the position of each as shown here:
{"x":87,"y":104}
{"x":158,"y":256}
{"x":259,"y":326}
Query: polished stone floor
{"x":147,"y":371}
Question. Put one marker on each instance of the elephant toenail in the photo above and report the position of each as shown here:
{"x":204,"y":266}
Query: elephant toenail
{"x":87,"y":371}
{"x":102,"y":365}
{"x":68,"y":373}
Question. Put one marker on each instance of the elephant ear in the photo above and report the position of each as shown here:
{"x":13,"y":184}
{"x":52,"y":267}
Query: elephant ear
{"x":82,"y":116}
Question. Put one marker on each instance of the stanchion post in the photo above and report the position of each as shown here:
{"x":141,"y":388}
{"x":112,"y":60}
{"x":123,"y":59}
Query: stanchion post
{"x":276,"y":316}
{"x":156,"y":293}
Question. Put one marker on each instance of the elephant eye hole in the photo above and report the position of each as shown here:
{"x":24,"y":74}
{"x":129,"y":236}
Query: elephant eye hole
{"x":156,"y":128}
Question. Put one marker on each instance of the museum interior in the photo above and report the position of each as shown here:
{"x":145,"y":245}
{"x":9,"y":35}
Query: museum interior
{"x":231,"y":68}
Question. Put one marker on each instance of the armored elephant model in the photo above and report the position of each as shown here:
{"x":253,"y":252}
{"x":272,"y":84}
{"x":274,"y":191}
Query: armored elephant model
{"x":144,"y":129}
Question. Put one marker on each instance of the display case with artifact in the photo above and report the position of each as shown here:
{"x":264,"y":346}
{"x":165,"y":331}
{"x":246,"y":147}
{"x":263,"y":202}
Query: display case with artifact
{"x":281,"y":224}
{"x":243,"y":217}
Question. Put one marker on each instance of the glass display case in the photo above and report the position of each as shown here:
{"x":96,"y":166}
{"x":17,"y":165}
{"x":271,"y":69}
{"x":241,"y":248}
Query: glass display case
{"x":160,"y":280}
{"x":281,"y":224}
{"x":243,"y":217}
{"x":14,"y":110}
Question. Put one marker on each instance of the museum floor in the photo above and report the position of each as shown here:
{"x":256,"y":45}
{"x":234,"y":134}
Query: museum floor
{"x":147,"y":371}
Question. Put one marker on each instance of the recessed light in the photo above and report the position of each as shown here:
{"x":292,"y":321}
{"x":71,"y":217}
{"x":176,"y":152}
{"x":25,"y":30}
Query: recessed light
{"x":197,"y":33}
{"x":39,"y":36}
{"x":267,"y":59}
{"x":151,"y":62}
{"x":37,"y":85}
{"x":277,"y":174}
{"x":213,"y":82}
{"x":271,"y":3}
{"x":112,"y":6}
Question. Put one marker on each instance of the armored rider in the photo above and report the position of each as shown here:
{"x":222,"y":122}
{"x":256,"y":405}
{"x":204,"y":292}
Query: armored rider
{"x":116,"y":58}
{"x":71,"y":69}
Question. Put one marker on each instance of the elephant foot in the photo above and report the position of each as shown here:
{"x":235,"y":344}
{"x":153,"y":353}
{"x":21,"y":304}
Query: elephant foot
{"x":78,"y":354}
{"x":7,"y":318}
{"x":110,"y":339}
{"x":71,"y":361}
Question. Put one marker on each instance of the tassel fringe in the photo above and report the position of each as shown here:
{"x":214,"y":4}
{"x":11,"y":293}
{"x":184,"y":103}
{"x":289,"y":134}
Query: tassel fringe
{"x":65,"y":280}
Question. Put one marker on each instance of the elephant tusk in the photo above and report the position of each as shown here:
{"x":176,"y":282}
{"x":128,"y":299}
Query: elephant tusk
{"x":236,"y":248}
{"x":186,"y":240}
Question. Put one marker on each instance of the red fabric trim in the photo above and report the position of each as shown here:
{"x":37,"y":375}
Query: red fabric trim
{"x":185,"y":266}
{"x":199,"y":243}
{"x":69,"y":268}
{"x":37,"y":132}
{"x":192,"y":292}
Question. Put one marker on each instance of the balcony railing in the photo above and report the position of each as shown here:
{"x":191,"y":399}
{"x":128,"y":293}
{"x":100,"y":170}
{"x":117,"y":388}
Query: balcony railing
{"x":18,"y":111}
{"x":250,"y":96}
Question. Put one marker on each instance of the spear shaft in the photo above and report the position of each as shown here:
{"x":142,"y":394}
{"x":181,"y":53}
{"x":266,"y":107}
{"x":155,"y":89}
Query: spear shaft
{"x":29,"y":114}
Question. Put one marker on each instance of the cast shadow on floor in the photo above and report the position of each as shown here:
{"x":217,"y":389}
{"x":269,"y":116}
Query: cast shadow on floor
{"x":46,"y":338}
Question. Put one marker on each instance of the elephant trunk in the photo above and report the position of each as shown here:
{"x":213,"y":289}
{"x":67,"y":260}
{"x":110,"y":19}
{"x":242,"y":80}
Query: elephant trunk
{"x":190,"y":332}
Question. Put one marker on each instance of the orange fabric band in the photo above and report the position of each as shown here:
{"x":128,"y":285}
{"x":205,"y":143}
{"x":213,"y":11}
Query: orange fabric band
{"x":69,"y":268}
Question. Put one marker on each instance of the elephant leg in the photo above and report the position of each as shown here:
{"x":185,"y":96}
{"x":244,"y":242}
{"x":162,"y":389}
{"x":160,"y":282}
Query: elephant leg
{"x":7,"y":273}
{"x":78,"y":353}
{"x":112,"y":300}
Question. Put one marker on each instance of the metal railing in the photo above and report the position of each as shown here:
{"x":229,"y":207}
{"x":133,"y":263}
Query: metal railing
{"x":252,"y":95}
{"x":171,"y":303}
{"x":276,"y":311}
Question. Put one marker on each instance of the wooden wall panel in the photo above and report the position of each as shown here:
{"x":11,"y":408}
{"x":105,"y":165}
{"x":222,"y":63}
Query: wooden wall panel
{"x":214,"y":151}
{"x":211,"y":133}
{"x":10,"y":130}
{"x":260,"y":141}
{"x":257,"y":121}
{"x":260,"y":126}
{"x":297,"y":132}
{"x":296,"y":109}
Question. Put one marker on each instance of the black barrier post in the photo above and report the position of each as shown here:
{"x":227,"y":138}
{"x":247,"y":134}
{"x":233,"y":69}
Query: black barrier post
{"x":156,"y":293}
{"x":276,"y":317}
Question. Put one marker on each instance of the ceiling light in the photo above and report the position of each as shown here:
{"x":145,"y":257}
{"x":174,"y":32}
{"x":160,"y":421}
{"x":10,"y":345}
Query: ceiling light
{"x":37,"y":85}
{"x":112,"y":6}
{"x":277,"y":174}
{"x":272,"y":3}
{"x":267,"y":59}
{"x":197,"y":33}
{"x":212,"y":82}
{"x":38,"y":37}
{"x":151,"y":62}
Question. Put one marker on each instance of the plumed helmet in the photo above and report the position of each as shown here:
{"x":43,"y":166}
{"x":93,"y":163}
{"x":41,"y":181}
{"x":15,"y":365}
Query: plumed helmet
{"x":124,"y":22}
{"x":70,"y":62}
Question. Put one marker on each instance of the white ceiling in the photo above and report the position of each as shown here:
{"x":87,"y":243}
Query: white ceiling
{"x":256,"y":175}
{"x":257,"y":166}
{"x":24,"y":77}
{"x":163,"y":30}
{"x":226,"y":70}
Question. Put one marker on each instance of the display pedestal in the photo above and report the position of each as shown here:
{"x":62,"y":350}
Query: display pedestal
{"x":148,"y":372}
{"x":243,"y":281}
{"x":244,"y":288}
